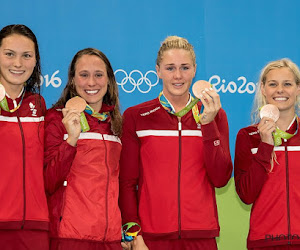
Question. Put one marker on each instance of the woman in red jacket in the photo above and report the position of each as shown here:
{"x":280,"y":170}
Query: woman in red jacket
{"x":175,"y":160}
{"x":82,"y":168}
{"x":267,"y":161}
{"x":24,"y":218}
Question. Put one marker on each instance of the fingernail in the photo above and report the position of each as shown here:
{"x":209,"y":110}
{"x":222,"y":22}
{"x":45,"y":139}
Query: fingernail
{"x":206,"y":89}
{"x":210,"y":88}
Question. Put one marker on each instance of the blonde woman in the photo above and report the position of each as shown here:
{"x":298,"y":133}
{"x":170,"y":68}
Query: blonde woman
{"x":267,"y":173}
{"x":176,"y":161}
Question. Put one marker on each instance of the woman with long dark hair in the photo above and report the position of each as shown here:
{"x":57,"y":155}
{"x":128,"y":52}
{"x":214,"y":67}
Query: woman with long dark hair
{"x":23,"y":212}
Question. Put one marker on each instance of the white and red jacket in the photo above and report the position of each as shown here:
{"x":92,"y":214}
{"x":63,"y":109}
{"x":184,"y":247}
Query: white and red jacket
{"x":275,"y":218}
{"x":176,"y":166}
{"x":82,"y":182}
{"x":22,"y":193}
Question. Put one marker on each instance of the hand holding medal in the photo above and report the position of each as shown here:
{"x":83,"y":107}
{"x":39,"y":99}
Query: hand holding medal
{"x":210,"y":101}
{"x":269,"y":114}
{"x":74,"y":118}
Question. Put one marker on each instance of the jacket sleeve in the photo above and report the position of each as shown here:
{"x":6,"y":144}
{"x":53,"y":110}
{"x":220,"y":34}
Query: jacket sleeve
{"x":129,"y":169}
{"x":59,"y":154}
{"x":216,"y":150}
{"x":250,"y":170}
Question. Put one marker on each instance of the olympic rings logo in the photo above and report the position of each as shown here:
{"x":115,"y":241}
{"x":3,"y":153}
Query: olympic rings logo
{"x":136,"y":80}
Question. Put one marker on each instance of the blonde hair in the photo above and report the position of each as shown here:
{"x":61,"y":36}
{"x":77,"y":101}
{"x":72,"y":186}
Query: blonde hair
{"x":259,"y":99}
{"x":175,"y":42}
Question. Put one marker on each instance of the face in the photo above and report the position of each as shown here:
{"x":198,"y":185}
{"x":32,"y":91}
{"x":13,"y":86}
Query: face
{"x":281,"y":89}
{"x":91,"y":80}
{"x":17,"y":61}
{"x":177,"y":72}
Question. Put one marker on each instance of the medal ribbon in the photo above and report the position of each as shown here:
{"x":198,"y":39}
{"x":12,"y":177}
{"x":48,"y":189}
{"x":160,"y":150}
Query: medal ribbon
{"x":191,"y":106}
{"x":83,"y":121}
{"x":4,"y":104}
{"x":278,"y":135}
{"x":100,"y":116}
{"x":129,"y":236}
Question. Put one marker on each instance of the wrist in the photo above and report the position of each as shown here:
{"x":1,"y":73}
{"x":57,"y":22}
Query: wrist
{"x":72,"y":141}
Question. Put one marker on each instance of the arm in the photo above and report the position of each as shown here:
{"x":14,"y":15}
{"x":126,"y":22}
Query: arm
{"x":216,"y":150}
{"x":59,"y":154}
{"x":129,"y":170}
{"x":250,"y":170}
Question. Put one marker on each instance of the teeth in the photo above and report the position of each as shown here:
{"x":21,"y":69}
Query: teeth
{"x":17,"y":71}
{"x":92,"y":91}
{"x":280,"y":99}
{"x":178,"y":84}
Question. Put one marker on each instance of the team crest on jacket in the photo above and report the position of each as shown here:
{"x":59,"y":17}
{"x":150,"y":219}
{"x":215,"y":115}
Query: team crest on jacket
{"x":32,"y":108}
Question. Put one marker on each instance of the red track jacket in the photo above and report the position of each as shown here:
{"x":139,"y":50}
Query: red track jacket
{"x":22,"y":193}
{"x":83,"y":181}
{"x":176,"y":166}
{"x":275,"y":218}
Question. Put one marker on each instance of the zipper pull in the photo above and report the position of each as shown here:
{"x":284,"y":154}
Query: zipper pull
{"x":179,"y":126}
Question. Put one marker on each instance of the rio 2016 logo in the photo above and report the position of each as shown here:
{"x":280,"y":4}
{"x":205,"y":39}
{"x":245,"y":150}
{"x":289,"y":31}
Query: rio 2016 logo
{"x":232,"y":87}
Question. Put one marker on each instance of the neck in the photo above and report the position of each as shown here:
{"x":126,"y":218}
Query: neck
{"x":12,"y":90}
{"x":178,"y":102}
{"x":96,"y":107}
{"x":285,"y":120}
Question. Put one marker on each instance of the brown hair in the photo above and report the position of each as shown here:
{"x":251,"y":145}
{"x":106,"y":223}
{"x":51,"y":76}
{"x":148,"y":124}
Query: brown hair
{"x":110,"y":98}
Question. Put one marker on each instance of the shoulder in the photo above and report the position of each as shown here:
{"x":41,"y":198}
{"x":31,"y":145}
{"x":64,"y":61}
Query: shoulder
{"x":144,"y":108}
{"x":53,"y":114}
{"x":250,"y":132}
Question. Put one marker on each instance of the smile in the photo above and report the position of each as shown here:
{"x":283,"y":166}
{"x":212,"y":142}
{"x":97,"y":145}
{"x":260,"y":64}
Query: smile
{"x":19,"y":72}
{"x":92,"y":92}
{"x":280,"y":99}
{"x":178,"y":84}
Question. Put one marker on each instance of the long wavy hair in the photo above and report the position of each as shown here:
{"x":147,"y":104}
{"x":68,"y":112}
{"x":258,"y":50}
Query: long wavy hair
{"x":34,"y":81}
{"x":260,"y":99}
{"x":110,"y":98}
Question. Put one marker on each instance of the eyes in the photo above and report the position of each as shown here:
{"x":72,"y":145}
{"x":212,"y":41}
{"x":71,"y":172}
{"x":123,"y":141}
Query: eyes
{"x":12,"y":54}
{"x":86,"y":75}
{"x":173,"y":68}
{"x":285,"y":84}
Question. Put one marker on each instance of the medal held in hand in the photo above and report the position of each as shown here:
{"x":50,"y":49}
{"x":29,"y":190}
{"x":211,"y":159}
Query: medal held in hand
{"x":269,"y":111}
{"x":79,"y":104}
{"x":272,"y":112}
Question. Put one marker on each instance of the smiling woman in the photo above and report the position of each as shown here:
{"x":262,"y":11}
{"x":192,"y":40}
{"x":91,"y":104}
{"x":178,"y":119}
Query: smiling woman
{"x":267,"y":161}
{"x":23,"y":211}
{"x":82,"y":168}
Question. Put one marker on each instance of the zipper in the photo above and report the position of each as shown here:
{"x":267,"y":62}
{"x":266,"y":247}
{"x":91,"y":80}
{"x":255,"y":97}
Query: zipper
{"x":179,"y":175}
{"x":65,"y":184}
{"x":24,"y":184}
{"x":106,"y":191}
{"x":287,"y":191}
